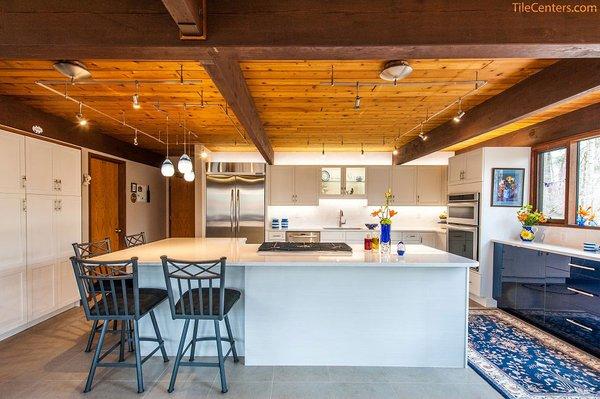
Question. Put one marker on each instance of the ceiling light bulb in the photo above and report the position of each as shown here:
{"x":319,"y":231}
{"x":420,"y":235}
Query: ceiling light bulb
{"x":204,"y":154}
{"x":395,"y":151}
{"x":136,"y":101}
{"x":185,"y":164}
{"x":167,"y":169}
{"x":189,"y":176}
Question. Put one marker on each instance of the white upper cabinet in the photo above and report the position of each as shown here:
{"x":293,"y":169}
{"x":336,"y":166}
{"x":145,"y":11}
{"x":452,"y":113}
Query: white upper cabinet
{"x":294,"y":185}
{"x":66,"y":170}
{"x":12,"y":234}
{"x":12,"y":167}
{"x":40,"y":177}
{"x":66,"y":225}
{"x":466,"y":168}
{"x":429,"y":185}
{"x":306,"y":185}
{"x":404,"y":185}
{"x":343,"y":182}
{"x":379,"y":180}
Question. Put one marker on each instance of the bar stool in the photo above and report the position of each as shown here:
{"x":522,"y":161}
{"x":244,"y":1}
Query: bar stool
{"x":197,"y":292}
{"x":86,"y":250}
{"x":118,"y":298}
{"x":134,"y":240}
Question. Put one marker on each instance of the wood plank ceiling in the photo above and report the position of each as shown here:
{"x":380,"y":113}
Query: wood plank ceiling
{"x":299,"y":110}
{"x":211,"y":125}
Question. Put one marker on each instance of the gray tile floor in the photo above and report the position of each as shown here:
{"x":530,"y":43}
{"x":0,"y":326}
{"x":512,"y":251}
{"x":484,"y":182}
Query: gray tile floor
{"x":47,"y":361}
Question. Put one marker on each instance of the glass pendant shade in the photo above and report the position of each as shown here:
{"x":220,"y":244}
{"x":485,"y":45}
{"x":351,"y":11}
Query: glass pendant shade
{"x":189,"y":176}
{"x":167,"y":169}
{"x":185,"y":164}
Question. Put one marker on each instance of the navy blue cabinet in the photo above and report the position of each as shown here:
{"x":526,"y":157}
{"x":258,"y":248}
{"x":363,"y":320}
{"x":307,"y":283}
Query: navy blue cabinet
{"x":557,"y":293}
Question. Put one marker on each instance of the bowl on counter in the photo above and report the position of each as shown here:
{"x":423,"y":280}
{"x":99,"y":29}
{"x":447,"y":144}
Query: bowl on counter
{"x":371,"y":226}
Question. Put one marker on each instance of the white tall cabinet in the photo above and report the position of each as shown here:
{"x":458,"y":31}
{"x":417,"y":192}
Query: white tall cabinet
{"x":40,"y":203}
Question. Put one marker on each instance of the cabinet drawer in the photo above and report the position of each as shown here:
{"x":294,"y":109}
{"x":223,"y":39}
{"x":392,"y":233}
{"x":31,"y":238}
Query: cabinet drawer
{"x":276,"y":236}
{"x":411,"y":238}
{"x":333,"y":236}
{"x":577,"y":327}
{"x":584,"y":268}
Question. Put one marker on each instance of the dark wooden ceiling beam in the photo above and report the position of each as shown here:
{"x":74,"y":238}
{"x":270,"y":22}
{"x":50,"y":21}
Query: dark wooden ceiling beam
{"x":226,"y":74}
{"x":581,"y":121}
{"x":557,"y":84}
{"x":17,"y":115}
{"x":295,"y":29}
{"x":190,"y":17}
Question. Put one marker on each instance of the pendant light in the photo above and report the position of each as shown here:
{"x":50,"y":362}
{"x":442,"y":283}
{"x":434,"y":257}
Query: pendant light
{"x":167,"y":169}
{"x":185,"y":162}
{"x":189,"y":176}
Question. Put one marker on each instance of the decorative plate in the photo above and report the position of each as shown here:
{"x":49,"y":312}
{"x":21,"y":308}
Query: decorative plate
{"x":325,"y":176}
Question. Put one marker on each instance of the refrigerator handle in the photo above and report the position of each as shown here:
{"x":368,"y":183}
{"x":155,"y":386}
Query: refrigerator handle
{"x":237,"y":213}
{"x":231,"y":211}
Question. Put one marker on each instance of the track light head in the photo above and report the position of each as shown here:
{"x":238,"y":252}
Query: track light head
{"x":81,"y":120}
{"x":357,"y":103}
{"x":423,"y":136}
{"x":459,"y":116}
{"x":204,"y":154}
{"x":395,"y":151}
{"x":136,"y":102}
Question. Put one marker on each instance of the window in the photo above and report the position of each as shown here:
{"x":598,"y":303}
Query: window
{"x":552,"y":183}
{"x":566,"y":180}
{"x":588,"y":175}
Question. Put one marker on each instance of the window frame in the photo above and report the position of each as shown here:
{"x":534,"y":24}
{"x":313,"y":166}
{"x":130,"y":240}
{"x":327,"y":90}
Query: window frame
{"x":571,"y":192}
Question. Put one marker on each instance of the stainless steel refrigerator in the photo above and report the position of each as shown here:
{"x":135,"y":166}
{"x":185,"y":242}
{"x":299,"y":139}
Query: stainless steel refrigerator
{"x":235,"y":201}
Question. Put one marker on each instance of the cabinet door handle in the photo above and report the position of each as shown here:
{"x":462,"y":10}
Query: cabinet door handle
{"x":24,"y":204}
{"x":582,"y":267}
{"x":580,"y":325}
{"x":575,"y":290}
{"x":23,"y":181}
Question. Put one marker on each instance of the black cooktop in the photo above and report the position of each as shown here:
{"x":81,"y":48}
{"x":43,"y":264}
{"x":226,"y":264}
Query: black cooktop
{"x":304,"y":247}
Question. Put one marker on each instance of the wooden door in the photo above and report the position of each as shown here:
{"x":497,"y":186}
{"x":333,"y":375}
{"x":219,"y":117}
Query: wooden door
{"x":404,"y":185}
{"x":306,"y":185}
{"x":281,"y":185}
{"x":429,"y":185}
{"x":181,"y":207}
{"x":107,"y":200}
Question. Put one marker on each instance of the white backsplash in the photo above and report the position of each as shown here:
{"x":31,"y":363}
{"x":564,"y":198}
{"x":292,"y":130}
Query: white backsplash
{"x":567,"y":236}
{"x":356,"y":212}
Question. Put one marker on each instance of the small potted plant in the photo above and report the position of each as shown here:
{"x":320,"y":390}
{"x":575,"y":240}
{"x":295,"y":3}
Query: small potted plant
{"x":529,"y":219}
{"x":385,"y":215}
{"x":586,"y":216}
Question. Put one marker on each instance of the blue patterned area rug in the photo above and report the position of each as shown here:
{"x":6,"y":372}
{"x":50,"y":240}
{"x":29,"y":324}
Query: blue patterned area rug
{"x":523,"y":362}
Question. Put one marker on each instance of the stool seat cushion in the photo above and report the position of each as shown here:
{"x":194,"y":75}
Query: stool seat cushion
{"x":231,"y":297}
{"x":149,"y":299}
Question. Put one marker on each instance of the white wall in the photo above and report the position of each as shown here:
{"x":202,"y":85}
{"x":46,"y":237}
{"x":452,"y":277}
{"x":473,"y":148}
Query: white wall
{"x":356,"y":212}
{"x":148,"y":217}
{"x":498,"y":222}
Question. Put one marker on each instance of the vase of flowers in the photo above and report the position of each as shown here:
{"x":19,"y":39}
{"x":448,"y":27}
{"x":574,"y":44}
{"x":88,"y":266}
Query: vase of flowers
{"x":529,"y":219}
{"x":586,"y":216}
{"x":385,"y":215}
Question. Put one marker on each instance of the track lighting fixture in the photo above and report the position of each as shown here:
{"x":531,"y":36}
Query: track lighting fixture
{"x":357,"y":99}
{"x":203,"y":154}
{"x":167,"y":169}
{"x":422,"y":135}
{"x":323,"y":151}
{"x":460,"y":112}
{"x":395,"y":151}
{"x":362,"y":150}
{"x":136,"y":96}
{"x":80,"y":118}
{"x":135,"y":140}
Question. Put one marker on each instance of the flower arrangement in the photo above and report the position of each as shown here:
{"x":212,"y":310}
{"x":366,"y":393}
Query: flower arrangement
{"x":528,"y":217}
{"x":586,"y":216}
{"x":384,"y":213}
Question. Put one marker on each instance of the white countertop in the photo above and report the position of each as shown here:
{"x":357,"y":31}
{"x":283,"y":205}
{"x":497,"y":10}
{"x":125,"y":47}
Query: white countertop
{"x":239,"y":253}
{"x":440,"y":229}
{"x":555,"y":249}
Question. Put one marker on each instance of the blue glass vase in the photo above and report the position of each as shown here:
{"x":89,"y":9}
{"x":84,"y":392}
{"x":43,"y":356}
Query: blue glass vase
{"x":385,"y":238}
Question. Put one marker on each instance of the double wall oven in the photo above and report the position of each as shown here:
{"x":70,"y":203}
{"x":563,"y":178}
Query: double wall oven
{"x":463,"y":225}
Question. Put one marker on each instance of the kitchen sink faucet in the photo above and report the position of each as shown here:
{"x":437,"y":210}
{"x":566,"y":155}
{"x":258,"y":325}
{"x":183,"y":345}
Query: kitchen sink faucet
{"x":342,"y":219}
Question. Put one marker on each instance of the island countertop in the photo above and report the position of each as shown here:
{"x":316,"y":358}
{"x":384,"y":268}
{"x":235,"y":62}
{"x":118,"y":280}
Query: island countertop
{"x":239,"y":253}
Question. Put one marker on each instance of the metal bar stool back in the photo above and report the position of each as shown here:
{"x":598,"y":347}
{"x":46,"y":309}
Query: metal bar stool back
{"x":197,"y":292}
{"x":109,"y":291}
{"x":134,"y":240}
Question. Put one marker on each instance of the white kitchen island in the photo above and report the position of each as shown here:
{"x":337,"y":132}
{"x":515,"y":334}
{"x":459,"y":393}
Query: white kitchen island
{"x":363,"y":309}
